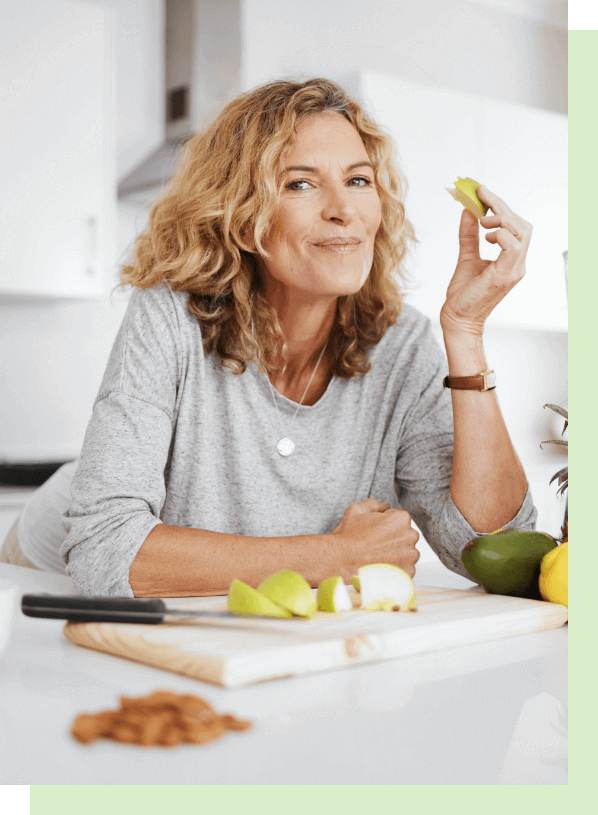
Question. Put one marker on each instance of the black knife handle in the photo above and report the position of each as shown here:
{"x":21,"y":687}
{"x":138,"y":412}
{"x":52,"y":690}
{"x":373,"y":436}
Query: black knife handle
{"x":94,"y":609}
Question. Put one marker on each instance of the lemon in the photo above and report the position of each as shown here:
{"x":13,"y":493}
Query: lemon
{"x":554,"y":575}
{"x":333,"y":595}
{"x":466,"y":194}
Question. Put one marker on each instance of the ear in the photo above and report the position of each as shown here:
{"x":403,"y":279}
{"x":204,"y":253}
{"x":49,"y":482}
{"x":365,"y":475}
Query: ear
{"x":249,"y":240}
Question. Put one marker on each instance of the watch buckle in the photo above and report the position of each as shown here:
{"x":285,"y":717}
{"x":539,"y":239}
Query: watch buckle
{"x":489,"y":378}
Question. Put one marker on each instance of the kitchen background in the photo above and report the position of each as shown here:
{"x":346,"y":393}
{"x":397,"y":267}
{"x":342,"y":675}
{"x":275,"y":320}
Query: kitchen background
{"x":95,"y":94}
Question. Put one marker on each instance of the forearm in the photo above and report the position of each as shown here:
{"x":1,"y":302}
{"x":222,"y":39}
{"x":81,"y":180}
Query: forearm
{"x":488,"y":483}
{"x":177,"y":561}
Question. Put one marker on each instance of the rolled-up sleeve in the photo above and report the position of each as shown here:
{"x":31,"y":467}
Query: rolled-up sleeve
{"x":119,"y":490}
{"x":424,"y":467}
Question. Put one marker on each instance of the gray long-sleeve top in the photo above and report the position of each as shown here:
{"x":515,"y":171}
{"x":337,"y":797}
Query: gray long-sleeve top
{"x":177,"y":438}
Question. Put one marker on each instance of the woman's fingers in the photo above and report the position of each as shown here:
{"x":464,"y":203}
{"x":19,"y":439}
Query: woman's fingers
{"x":511,"y":261}
{"x":519,"y":228}
{"x":513,"y":235}
{"x":469,"y":236}
{"x":503,"y":216}
{"x":506,"y":221}
{"x":370,"y":505}
{"x":496,"y":204}
{"x":505,"y":239}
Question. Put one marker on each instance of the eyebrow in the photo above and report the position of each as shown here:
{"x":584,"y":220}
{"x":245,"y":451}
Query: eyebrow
{"x":301,"y":168}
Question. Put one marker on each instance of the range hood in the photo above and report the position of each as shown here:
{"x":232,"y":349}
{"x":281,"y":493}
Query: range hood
{"x":202,"y":74}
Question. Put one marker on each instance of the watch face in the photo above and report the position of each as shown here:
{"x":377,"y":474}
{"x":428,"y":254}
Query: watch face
{"x":489,"y":381}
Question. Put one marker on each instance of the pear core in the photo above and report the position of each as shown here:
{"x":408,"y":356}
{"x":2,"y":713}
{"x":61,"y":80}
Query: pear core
{"x":333,"y":595}
{"x":382,"y":584}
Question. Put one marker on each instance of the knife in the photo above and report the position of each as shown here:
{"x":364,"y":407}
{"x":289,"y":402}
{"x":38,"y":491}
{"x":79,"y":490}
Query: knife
{"x":150,"y":610}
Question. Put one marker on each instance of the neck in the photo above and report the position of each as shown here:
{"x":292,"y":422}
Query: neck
{"x":306,"y":324}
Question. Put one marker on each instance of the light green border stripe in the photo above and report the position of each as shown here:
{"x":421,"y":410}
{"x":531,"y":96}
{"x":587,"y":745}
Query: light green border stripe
{"x":583,"y":308}
{"x":291,"y":800}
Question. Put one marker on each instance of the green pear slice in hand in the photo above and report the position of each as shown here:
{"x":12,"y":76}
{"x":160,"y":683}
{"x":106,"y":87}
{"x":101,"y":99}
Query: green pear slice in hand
{"x":383,"y":582}
{"x":243,"y":599}
{"x":333,"y":595}
{"x":466,"y":193}
{"x":290,"y":590}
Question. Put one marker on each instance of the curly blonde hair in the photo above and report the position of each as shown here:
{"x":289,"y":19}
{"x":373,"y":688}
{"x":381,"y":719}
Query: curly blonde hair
{"x":227,"y":180}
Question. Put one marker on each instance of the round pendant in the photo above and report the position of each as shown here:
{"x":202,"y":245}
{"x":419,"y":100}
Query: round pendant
{"x":285,"y":447}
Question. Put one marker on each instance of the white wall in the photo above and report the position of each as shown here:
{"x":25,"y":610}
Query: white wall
{"x":53,"y":355}
{"x":475,"y":47}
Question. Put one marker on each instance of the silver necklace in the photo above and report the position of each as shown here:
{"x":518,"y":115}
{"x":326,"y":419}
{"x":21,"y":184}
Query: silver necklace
{"x":286,"y":446}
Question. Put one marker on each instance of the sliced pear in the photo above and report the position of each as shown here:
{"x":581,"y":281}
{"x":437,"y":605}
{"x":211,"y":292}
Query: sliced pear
{"x":243,"y":599}
{"x":355,"y":582}
{"x":466,"y":194}
{"x":383,"y":605}
{"x":290,"y":590}
{"x":381,"y":582}
{"x":333,"y":595}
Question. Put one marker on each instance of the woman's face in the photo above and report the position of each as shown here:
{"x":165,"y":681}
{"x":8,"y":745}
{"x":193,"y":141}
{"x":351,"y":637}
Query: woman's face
{"x":322,"y":242}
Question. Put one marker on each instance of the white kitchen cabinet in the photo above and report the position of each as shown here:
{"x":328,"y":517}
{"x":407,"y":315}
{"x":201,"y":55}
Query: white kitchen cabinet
{"x":520,"y":153}
{"x":57,"y":149}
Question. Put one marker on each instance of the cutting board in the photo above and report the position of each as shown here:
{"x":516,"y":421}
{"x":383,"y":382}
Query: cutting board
{"x":235,"y":652}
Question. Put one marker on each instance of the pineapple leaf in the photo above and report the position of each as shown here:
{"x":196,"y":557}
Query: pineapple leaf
{"x":554,"y":441}
{"x":562,"y":412}
{"x":562,"y":475}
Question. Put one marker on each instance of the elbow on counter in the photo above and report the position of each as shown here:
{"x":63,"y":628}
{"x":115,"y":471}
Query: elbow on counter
{"x":452,"y":532}
{"x":98,"y":552}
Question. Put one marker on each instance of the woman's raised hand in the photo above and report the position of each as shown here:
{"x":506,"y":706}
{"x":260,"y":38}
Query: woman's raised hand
{"x":477,"y":285}
{"x":371,"y":532}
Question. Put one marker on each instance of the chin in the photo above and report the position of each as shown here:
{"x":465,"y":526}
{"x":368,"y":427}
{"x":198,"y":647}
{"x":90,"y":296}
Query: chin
{"x":344,"y":279}
{"x":335,"y":288}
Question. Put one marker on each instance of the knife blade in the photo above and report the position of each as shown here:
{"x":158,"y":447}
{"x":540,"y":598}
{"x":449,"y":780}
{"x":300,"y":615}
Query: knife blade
{"x":147,"y":610}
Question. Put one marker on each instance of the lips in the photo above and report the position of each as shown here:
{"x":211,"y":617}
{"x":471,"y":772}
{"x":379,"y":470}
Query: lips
{"x":339,"y":242}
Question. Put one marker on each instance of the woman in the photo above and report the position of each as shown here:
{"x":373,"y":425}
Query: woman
{"x":269,"y":403}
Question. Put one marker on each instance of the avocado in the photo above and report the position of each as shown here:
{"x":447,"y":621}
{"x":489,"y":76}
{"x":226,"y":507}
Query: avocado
{"x":508,"y":561}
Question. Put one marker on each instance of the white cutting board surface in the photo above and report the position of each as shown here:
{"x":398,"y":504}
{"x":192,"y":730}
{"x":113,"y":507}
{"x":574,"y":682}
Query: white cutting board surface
{"x":233,"y":653}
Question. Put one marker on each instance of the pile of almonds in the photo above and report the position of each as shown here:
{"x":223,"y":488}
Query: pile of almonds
{"x":162,"y":718}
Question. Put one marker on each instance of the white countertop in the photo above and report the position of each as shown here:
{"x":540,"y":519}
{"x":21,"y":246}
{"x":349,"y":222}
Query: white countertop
{"x":491,"y":713}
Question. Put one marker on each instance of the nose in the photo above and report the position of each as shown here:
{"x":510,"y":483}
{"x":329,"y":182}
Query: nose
{"x":338,"y":205}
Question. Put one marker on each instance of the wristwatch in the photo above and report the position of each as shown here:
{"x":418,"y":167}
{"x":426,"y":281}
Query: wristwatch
{"x":484,"y":381}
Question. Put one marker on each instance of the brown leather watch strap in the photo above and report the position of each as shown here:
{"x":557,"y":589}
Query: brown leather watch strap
{"x":484,"y":381}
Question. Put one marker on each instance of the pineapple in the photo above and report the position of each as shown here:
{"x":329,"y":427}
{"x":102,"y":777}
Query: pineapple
{"x":561,"y":475}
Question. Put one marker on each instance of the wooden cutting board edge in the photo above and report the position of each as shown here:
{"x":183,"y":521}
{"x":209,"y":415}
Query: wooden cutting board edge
{"x":310,"y":657}
{"x":166,"y":657}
